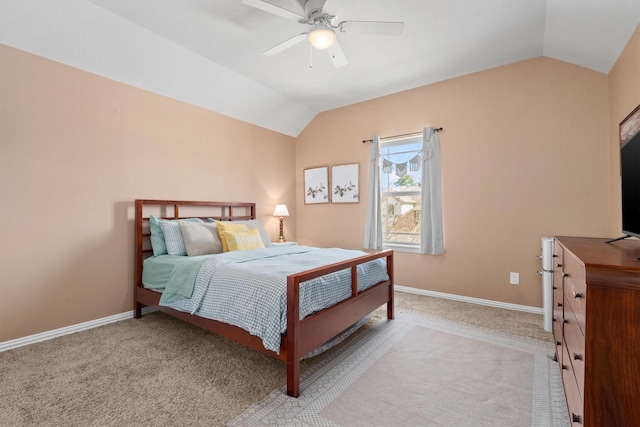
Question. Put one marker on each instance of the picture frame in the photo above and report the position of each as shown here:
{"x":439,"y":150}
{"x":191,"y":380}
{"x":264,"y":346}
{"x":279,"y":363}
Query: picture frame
{"x":316,"y":185}
{"x":345,"y":183}
{"x":630,"y":126}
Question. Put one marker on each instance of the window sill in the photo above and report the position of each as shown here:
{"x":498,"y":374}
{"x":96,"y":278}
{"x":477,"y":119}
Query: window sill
{"x":402,"y":248}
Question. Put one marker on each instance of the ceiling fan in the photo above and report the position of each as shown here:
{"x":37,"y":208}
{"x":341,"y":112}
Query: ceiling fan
{"x":322,"y":35}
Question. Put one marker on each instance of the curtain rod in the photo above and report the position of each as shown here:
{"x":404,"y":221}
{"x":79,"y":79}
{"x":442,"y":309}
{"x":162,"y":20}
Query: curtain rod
{"x":398,"y":136}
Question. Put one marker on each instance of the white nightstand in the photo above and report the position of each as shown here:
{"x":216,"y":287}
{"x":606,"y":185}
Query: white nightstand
{"x":284,"y":243}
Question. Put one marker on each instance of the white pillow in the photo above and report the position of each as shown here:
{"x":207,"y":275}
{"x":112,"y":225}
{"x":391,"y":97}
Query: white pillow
{"x":200,"y":238}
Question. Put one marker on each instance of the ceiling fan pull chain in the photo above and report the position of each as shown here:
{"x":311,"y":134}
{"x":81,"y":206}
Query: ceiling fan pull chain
{"x":310,"y":56}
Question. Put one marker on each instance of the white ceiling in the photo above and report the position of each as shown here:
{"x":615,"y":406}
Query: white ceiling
{"x":208,"y":52}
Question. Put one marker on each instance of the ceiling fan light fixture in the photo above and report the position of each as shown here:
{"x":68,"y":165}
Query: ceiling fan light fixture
{"x":321,"y":36}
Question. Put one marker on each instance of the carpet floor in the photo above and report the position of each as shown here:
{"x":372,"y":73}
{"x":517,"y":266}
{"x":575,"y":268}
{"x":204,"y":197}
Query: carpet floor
{"x":160,"y":371}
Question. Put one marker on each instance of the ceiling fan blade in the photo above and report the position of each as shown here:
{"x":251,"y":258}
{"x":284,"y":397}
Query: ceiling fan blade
{"x":337,"y":55}
{"x":379,"y":28}
{"x":276,"y":10}
{"x":285,"y":44}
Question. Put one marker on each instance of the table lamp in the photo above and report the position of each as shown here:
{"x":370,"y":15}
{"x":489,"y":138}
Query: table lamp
{"x":281,"y":211}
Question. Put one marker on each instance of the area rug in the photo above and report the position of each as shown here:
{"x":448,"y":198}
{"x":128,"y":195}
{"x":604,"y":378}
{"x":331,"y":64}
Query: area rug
{"x":419,"y":371}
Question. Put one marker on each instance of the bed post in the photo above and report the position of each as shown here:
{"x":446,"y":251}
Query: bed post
{"x":293,"y":321}
{"x":137,"y":276}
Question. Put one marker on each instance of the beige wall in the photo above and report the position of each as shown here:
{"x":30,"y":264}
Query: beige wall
{"x":528,"y":150}
{"x":75,"y":151}
{"x":524,"y":155}
{"x":624,"y":96}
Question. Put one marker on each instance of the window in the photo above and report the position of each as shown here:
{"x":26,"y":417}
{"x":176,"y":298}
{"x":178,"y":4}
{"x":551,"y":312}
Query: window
{"x":404,"y":210}
{"x":401,"y":182}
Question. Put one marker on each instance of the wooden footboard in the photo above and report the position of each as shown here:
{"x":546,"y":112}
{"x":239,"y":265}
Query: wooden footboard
{"x":313,"y":331}
{"x":302,"y":336}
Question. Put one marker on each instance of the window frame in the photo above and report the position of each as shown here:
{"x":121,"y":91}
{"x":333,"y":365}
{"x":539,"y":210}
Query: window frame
{"x":390,"y":244}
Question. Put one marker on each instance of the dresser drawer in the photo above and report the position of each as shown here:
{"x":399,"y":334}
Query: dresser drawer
{"x":558,"y":268}
{"x":575,"y":302}
{"x":575,"y":289}
{"x":558,"y":297}
{"x":558,"y":312}
{"x":574,"y":270}
{"x":557,"y":330}
{"x":574,"y":401}
{"x":556,"y":327}
{"x":574,"y":340}
{"x":558,"y":254}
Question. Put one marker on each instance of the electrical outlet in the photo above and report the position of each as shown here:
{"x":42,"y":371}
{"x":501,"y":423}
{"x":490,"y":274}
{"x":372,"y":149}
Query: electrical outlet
{"x":514,"y":278}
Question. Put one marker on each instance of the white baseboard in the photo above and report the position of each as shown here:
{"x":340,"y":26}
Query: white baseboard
{"x":44,"y":336}
{"x":490,"y":303}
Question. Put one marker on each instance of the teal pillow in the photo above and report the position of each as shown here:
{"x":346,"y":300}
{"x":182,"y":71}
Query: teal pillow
{"x":157,"y":236}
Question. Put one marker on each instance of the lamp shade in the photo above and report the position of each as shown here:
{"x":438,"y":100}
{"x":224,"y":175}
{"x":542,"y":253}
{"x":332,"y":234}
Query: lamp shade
{"x":281,"y":210}
{"x":321,"y":37}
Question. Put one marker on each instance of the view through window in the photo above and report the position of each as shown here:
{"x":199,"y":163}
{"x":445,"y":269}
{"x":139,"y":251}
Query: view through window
{"x":401,"y":180}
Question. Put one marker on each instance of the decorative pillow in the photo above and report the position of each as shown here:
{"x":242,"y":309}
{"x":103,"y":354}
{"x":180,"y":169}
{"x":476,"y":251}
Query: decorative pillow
{"x":157,"y":236}
{"x":251,"y":224}
{"x":173,"y":237}
{"x":200,"y":239}
{"x":254,"y":223}
{"x":226,"y":226}
{"x":243,"y":240}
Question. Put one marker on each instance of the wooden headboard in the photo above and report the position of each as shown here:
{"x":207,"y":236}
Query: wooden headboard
{"x":177,"y":209}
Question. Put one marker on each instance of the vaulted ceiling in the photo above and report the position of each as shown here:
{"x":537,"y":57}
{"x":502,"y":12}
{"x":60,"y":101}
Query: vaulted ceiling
{"x":209,"y":52}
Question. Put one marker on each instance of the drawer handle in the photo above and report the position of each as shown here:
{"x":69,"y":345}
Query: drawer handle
{"x":576,"y":418}
{"x":558,"y":343}
{"x":564,"y":367}
{"x":565,"y":321}
{"x":577,"y":294}
{"x":555,"y":287}
{"x":577,"y":356}
{"x":559,"y":304}
{"x":565,"y":274}
{"x":558,"y":265}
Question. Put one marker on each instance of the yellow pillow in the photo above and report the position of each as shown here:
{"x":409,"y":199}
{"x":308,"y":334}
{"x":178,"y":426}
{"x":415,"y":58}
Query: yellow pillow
{"x":243,"y":240}
{"x":228,"y":227}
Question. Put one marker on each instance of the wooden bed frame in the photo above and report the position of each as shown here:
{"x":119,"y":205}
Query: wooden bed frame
{"x":302,"y":336}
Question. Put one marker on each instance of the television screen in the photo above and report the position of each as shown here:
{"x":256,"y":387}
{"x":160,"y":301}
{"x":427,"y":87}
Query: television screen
{"x":630,"y":177}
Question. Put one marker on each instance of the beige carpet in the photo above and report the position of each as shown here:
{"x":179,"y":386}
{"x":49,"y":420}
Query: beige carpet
{"x":161,"y":371}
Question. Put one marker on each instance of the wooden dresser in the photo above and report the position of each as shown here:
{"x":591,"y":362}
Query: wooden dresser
{"x":596,"y":325}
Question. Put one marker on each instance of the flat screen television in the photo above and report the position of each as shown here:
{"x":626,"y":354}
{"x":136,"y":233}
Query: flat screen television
{"x":630,"y":177}
{"x":630,"y":173}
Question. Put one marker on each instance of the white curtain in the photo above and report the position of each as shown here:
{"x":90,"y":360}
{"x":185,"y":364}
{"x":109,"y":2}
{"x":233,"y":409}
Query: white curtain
{"x":373,"y":222}
{"x":431,"y":240}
